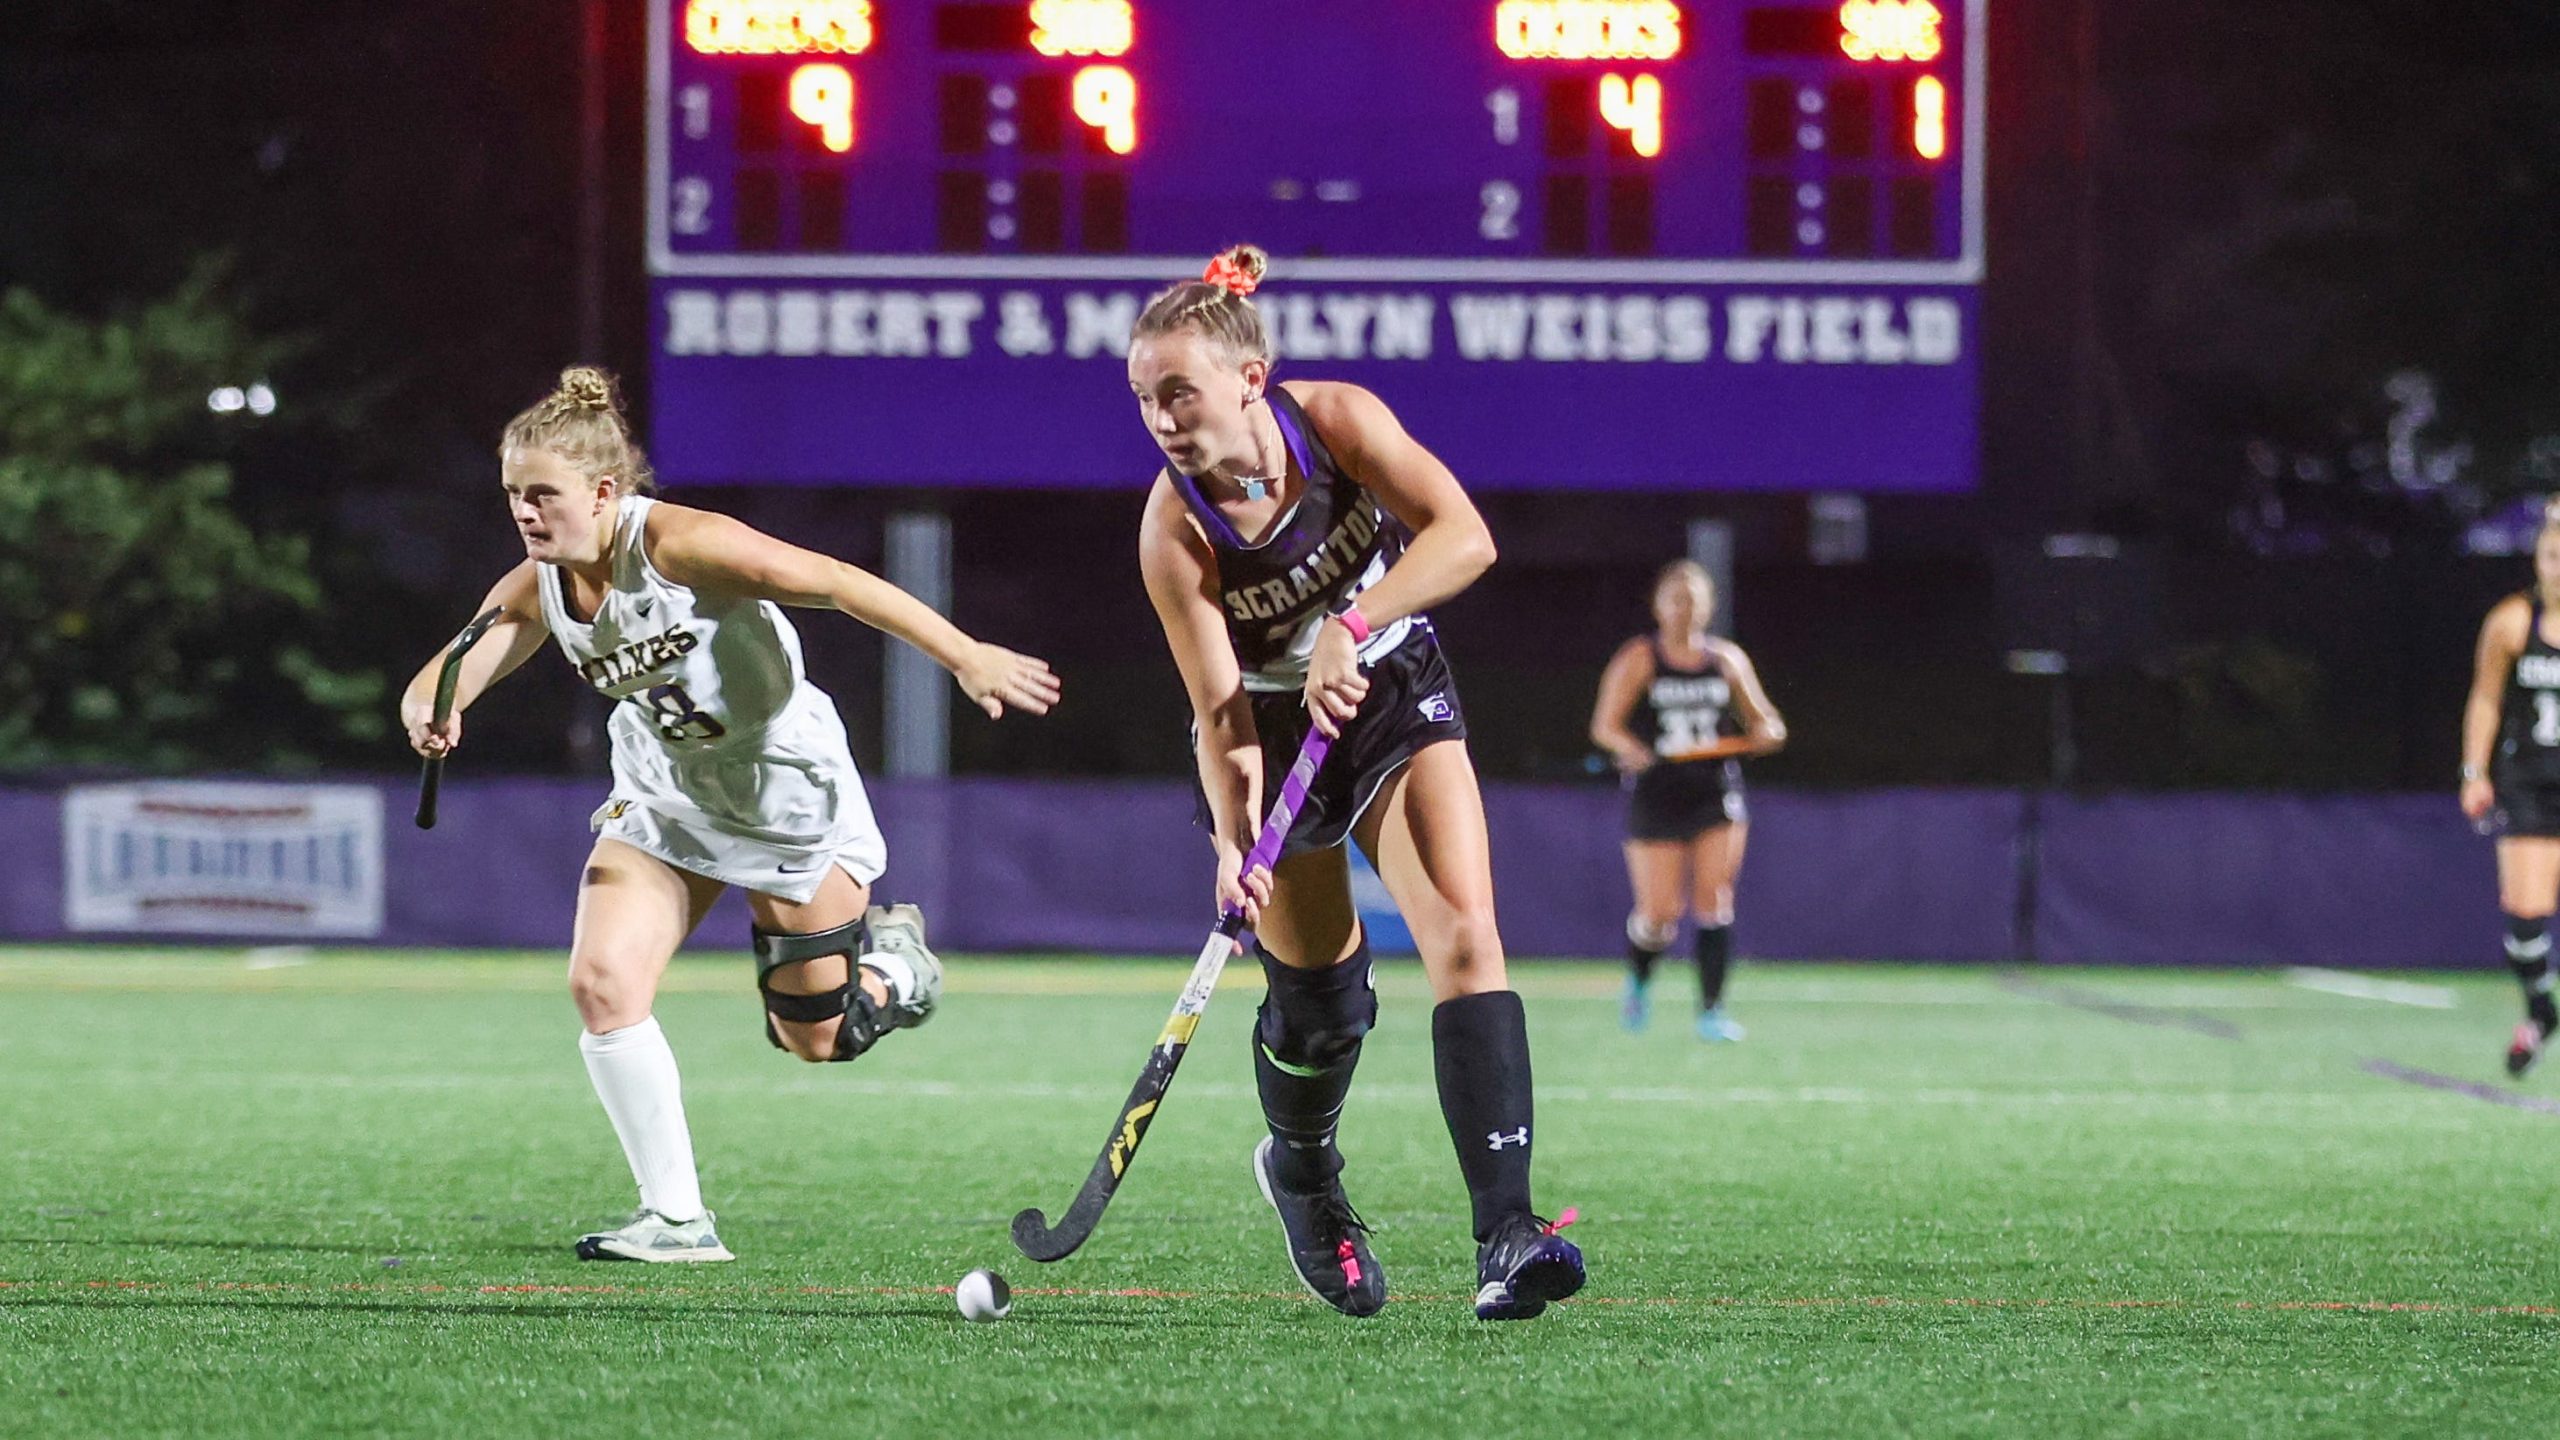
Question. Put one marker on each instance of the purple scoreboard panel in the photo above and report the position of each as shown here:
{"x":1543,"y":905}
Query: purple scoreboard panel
{"x":1577,"y":244}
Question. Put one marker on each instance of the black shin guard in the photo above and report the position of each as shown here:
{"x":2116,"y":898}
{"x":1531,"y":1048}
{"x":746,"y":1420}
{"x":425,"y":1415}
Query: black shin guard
{"x":1645,"y":944}
{"x":1715,"y":961}
{"x":1480,"y":1048}
{"x":1306,"y":1044}
{"x":2529,"y":956}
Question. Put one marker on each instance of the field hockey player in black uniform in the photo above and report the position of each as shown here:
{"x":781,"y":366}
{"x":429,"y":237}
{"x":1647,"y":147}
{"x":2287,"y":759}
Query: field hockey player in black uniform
{"x":2511,"y":779}
{"x":1291,"y":547}
{"x":1677,"y":710}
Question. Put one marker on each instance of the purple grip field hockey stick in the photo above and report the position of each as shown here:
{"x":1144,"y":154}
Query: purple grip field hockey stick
{"x":1032,"y":1233}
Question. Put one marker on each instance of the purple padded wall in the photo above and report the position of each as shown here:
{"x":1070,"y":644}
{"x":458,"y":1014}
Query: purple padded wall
{"x":1893,"y":874}
{"x":2363,"y":880}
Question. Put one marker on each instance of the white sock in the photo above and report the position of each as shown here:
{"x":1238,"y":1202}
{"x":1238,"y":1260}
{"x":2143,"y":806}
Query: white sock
{"x":635,"y":1076}
{"x":895,"y":973}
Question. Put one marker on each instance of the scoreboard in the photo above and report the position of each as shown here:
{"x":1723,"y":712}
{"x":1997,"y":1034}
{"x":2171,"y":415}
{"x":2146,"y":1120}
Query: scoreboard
{"x":1577,"y":244}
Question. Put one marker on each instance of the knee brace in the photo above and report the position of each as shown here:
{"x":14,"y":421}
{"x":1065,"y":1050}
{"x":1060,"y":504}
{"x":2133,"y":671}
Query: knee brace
{"x":1313,"y":1020}
{"x":861,"y":1027}
{"x":1650,"y":937}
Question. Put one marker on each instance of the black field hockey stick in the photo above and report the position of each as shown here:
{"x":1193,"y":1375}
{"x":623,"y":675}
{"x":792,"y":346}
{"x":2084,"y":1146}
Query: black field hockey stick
{"x":432,"y":777}
{"x":1032,"y":1233}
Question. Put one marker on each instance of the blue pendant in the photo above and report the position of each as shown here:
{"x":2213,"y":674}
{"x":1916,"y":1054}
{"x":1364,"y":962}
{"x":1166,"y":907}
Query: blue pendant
{"x":1254,"y":489}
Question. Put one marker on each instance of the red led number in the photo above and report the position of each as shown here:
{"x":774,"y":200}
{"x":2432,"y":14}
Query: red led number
{"x":1106,"y":98}
{"x":1634,"y":106}
{"x":822,"y":96}
{"x":1929,"y":118}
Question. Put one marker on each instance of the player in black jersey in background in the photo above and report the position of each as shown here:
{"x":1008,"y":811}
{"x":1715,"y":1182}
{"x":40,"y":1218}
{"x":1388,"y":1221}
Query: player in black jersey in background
{"x":2515,"y":710}
{"x":1291,"y":547}
{"x":1677,"y":710}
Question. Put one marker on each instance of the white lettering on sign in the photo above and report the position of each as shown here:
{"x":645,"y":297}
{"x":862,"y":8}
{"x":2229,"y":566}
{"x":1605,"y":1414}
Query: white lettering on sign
{"x":1839,"y":328}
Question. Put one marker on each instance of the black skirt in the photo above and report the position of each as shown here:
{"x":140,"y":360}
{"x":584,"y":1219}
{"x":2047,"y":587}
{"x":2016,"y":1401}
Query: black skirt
{"x":1413,"y":702}
{"x":2528,"y":807}
{"x":1679,"y":800}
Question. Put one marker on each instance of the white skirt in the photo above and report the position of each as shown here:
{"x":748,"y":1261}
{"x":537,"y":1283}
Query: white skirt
{"x":770,"y":815}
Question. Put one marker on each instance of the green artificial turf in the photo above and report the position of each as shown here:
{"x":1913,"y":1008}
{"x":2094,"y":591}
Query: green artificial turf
{"x":259,"y":1195}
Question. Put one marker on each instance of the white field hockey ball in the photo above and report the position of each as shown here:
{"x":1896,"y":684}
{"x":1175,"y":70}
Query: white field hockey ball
{"x":983,"y":1295}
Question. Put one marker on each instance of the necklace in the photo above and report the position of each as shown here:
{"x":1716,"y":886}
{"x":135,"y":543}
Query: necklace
{"x":1258,"y":487}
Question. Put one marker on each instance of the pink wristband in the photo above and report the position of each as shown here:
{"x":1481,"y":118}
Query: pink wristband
{"x":1355,"y":622}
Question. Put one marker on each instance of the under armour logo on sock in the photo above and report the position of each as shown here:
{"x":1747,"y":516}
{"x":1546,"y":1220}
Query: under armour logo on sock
{"x":1516,"y":1137}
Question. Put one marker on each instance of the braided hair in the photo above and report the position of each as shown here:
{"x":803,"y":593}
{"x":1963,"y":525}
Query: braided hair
{"x":1216,"y":305}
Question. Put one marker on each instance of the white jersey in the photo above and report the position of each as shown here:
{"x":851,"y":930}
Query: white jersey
{"x":741,"y":763}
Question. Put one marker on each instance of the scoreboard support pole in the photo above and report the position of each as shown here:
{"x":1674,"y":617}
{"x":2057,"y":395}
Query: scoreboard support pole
{"x":918,"y":695}
{"x":1711,"y":545}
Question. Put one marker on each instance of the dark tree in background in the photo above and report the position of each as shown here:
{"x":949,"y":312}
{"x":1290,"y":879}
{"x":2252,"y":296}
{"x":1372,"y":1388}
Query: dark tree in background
{"x":127,"y":578}
{"x":397,"y":186}
{"x":2325,"y":229}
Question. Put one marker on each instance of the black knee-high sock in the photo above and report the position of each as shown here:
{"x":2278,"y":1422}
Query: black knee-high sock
{"x":1480,"y":1047}
{"x":1306,"y":1043}
{"x":1715,"y":959}
{"x":2529,"y":956}
{"x":1640,"y":958}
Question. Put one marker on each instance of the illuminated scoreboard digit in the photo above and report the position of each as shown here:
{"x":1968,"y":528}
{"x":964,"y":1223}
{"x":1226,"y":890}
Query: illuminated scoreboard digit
{"x":1747,"y":211}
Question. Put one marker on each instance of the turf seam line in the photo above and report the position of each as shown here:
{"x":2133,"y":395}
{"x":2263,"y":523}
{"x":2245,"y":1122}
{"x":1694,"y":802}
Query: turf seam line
{"x":2456,"y":1085}
{"x":2097,"y":1003}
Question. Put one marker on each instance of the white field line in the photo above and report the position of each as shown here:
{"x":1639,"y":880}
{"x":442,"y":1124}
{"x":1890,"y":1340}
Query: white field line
{"x":2365,"y":987}
{"x":293,"y":975}
{"x":1699,"y":1097}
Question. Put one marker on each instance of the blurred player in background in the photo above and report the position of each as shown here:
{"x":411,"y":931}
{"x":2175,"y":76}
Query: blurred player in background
{"x":1677,"y":709}
{"x":729,"y":768}
{"x":2511,"y":778}
{"x":1291,"y":547}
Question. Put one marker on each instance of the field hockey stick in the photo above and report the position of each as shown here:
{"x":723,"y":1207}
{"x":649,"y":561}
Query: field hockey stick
{"x":1032,"y":1233}
{"x":432,"y":777}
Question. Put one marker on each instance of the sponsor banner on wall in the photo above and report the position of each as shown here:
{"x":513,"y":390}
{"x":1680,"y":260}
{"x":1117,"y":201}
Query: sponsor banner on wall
{"x":222,"y":857}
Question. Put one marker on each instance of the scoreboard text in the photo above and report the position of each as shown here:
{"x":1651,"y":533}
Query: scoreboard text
{"x":1658,"y":244}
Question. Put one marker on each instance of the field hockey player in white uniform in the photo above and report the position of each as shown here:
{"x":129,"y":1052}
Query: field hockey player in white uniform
{"x":729,"y":768}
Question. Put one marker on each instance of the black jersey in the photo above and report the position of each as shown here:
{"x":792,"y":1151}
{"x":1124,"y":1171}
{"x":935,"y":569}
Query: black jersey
{"x":1684,"y":709}
{"x":1335,"y":542}
{"x":2529,"y":721}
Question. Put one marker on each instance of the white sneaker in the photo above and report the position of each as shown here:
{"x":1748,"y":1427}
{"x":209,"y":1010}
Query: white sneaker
{"x":654,"y":1238}
{"x":897,"y":932}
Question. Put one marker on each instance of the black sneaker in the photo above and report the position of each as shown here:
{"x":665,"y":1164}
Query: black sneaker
{"x":1328,"y":1242}
{"x":1525,"y":1265}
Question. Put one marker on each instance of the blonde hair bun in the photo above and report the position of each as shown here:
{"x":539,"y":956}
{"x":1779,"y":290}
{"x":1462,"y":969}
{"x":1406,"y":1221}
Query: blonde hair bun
{"x":581,"y":421}
{"x":587,"y":388}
